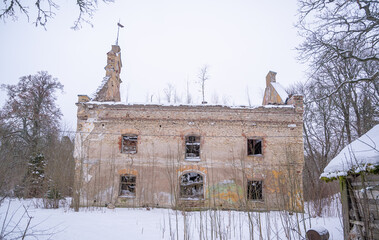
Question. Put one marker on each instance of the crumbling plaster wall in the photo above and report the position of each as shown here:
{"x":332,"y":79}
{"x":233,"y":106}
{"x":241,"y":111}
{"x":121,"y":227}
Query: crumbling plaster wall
{"x":160,"y":160}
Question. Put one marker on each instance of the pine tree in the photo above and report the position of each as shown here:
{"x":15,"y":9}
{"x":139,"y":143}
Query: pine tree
{"x":36,"y":175}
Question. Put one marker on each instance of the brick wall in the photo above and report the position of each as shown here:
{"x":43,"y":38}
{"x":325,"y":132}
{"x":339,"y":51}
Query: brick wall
{"x":160,"y":158}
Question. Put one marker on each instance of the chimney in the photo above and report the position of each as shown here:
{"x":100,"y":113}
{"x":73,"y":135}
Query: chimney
{"x":297,"y":101}
{"x":271,"y":77}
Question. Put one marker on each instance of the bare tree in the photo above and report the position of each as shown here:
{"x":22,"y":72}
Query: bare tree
{"x":169,"y":92}
{"x":203,"y":76}
{"x":31,"y":109}
{"x":226,"y":100}
{"x":59,"y":169}
{"x":149,"y":97}
{"x":248,"y":96}
{"x":177,"y":98}
{"x":127,"y":93}
{"x":31,"y":118}
{"x":215,"y":98}
{"x":45,"y":10}
{"x":188,"y":94}
{"x":333,"y":120}
{"x":335,"y":30}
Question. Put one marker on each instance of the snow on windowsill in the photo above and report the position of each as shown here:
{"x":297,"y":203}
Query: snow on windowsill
{"x":191,"y":199}
{"x":255,"y":155}
{"x":125,"y":196}
{"x":130,"y":152}
{"x":193,"y":159}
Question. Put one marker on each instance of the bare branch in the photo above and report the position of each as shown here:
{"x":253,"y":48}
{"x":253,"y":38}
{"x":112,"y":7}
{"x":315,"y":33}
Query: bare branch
{"x":375,"y":77}
{"x":45,"y":10}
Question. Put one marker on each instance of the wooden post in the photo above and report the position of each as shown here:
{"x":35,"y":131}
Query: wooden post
{"x":345,"y":207}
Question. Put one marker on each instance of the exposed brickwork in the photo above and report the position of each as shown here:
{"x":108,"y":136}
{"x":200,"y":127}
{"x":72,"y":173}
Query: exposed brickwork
{"x":110,"y":88}
{"x":271,"y":95}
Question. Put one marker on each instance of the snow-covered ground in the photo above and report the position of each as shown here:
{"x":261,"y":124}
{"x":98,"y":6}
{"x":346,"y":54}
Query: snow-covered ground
{"x":141,"y":223}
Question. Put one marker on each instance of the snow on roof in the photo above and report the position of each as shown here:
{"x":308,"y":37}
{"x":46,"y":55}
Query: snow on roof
{"x":280,"y":90}
{"x":185,"y":105}
{"x":360,"y":155}
{"x":103,"y":82}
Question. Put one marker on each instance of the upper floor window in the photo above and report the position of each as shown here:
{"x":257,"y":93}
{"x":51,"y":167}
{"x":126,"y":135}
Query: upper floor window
{"x":129,"y":143}
{"x":254,"y":147}
{"x":192,"y":147}
{"x":254,"y":190}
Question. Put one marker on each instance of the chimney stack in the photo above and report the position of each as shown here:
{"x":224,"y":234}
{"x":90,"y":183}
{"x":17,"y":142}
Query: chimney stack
{"x":271,"y":77}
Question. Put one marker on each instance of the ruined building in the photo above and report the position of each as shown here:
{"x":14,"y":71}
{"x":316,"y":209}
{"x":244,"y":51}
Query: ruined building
{"x":188,"y":155}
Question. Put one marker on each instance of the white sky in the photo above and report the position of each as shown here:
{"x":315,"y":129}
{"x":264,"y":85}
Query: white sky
{"x":163,"y":42}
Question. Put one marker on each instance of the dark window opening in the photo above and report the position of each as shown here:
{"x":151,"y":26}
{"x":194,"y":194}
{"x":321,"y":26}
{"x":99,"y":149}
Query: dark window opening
{"x":129,"y":144}
{"x":192,"y":147}
{"x":128,"y":186}
{"x":191,"y":186}
{"x":254,"y":190}
{"x":254,"y":147}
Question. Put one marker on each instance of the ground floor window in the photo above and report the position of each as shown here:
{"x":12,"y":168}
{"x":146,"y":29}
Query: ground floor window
{"x":191,"y":186}
{"x":254,"y":190}
{"x":128,"y":186}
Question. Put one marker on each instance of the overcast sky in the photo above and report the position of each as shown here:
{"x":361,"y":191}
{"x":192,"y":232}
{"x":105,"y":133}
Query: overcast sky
{"x":163,"y":41}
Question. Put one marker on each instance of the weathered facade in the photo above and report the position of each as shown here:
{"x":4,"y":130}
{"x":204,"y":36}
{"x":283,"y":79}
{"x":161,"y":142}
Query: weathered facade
{"x":189,"y":155}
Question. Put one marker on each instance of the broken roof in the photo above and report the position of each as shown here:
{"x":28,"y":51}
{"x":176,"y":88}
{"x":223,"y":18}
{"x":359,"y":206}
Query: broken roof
{"x":359,"y":156}
{"x":280,"y":90}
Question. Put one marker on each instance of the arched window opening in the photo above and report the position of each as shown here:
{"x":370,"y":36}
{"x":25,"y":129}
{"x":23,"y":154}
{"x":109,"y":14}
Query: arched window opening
{"x":191,"y":186}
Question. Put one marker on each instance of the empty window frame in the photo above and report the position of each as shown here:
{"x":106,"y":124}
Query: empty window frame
{"x":128,"y":186}
{"x":192,"y":147}
{"x":129,"y":143}
{"x":254,"y":146}
{"x":191,"y":186}
{"x":254,"y":190}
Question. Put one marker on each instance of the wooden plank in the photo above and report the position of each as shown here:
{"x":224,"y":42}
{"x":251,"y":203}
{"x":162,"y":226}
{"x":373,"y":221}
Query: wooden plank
{"x":373,"y":202}
{"x":372,"y":198}
{"x":368,"y":177}
{"x":367,"y":202}
{"x":374,"y":210}
{"x":358,"y":185}
{"x":372,"y":178}
{"x":360,"y":223}
{"x":375,"y":233}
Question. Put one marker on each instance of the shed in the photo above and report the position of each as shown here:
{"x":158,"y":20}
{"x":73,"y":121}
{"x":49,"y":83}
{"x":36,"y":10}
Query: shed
{"x":357,"y":169}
